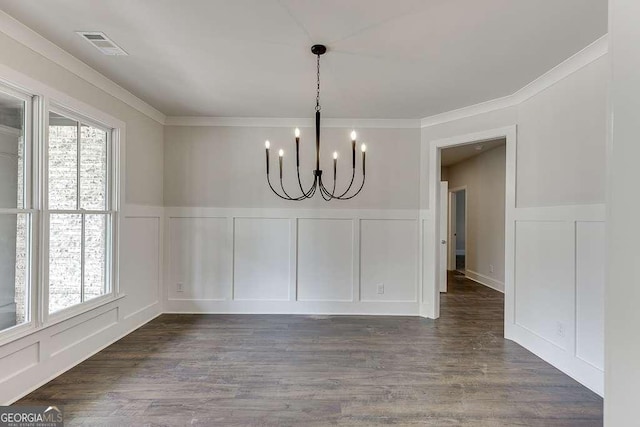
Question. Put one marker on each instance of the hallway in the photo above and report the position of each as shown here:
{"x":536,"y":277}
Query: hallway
{"x":322,"y":370}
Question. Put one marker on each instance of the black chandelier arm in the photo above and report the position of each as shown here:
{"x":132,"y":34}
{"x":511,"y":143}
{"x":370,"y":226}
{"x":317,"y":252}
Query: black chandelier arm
{"x":324,"y":192}
{"x":353,"y":175}
{"x":286,"y":196}
{"x":357,"y":192}
{"x":274,"y":190}
{"x":323,"y":189}
{"x":306,"y":194}
{"x":342,"y":197}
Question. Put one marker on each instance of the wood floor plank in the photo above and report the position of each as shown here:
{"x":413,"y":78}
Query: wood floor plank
{"x":280,"y":370}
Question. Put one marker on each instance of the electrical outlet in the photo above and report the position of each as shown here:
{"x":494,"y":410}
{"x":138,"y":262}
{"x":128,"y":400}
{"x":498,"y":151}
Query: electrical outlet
{"x":490,"y":268}
{"x":560,"y":329}
{"x":380,"y":288}
{"x":179,"y":287}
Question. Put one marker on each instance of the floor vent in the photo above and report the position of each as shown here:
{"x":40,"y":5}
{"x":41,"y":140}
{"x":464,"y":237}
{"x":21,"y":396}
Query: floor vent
{"x":101,"y":42}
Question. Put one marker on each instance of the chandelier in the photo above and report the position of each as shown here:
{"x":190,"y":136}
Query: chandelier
{"x":318,"y":183}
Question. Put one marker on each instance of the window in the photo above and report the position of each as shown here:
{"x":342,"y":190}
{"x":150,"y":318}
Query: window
{"x":58,"y":219}
{"x":15,"y":209}
{"x":78,"y":210}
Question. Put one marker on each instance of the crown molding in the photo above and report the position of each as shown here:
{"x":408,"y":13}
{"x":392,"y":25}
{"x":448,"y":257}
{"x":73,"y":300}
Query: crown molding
{"x":586,"y":56}
{"x":291,"y":122}
{"x":34,"y":41}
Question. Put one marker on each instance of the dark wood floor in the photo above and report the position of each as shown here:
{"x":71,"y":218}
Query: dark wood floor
{"x":276,"y":370}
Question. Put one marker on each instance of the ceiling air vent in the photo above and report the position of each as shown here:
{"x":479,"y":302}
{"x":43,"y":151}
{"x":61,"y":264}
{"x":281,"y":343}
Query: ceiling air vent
{"x":101,"y":42}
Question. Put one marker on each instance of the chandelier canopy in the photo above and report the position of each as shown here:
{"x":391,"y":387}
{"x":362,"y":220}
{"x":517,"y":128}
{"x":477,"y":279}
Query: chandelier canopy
{"x":326,"y":194}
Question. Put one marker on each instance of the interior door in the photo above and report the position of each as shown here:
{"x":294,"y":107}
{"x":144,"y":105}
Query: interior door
{"x":444,"y":219}
{"x":451,"y":242}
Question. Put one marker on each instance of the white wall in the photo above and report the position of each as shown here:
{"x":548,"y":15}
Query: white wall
{"x":221,"y":167}
{"x":484,"y":177}
{"x":31,"y":360}
{"x":235,"y":247}
{"x":623,"y":228}
{"x":559,"y":218}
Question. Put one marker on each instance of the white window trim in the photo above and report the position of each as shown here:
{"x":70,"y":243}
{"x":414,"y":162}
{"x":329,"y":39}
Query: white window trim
{"x":30,"y":208}
{"x":110,"y":210}
{"x":41,"y":95}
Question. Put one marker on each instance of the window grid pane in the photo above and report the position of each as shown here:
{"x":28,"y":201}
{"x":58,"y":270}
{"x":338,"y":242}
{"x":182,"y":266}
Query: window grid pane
{"x":63,"y":162}
{"x":93,"y":168}
{"x":14,"y":264}
{"x":12,"y":131}
{"x":65,"y":261}
{"x":78,"y":189}
{"x":95,"y":255}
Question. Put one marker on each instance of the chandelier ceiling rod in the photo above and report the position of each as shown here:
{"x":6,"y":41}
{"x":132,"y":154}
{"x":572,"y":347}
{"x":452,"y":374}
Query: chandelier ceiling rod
{"x":327,"y":195}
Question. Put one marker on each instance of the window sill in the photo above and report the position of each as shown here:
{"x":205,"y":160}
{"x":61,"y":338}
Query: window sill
{"x":18,"y":332}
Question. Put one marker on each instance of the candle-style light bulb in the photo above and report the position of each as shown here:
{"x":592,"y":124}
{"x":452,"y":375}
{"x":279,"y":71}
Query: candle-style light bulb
{"x":363,"y":148}
{"x":335,"y":165}
{"x":353,"y":135}
{"x":280,"y":156}
{"x":297,"y":133}
{"x":267,"y":144}
{"x":281,"y":152}
{"x":335,"y":155}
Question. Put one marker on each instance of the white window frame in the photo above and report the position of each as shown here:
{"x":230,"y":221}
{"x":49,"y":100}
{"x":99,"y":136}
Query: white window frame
{"x":30,"y":205}
{"x":38,"y":97}
{"x":111,"y":212}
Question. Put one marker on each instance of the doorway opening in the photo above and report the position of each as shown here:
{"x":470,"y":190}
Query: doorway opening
{"x":473,"y":195}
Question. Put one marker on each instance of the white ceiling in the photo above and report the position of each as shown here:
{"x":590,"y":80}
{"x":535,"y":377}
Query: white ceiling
{"x":387,"y":58}
{"x":455,"y":155}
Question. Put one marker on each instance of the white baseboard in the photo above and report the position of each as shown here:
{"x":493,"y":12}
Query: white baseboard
{"x":373,"y":308}
{"x":484,"y":280}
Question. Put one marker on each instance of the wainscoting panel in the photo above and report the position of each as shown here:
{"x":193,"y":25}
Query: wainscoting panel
{"x":292,"y":261}
{"x":73,"y":335}
{"x":199,"y":259}
{"x":389,"y":260}
{"x":19,"y":360}
{"x":141,"y":264}
{"x":261,"y":260}
{"x":590,"y":279}
{"x":544,"y":279}
{"x":36,"y":356}
{"x":325,"y":260}
{"x":558,"y":296}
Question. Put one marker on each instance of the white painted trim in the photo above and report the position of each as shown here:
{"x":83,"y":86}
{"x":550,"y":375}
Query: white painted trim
{"x":213,"y":212}
{"x":485,"y":280}
{"x":292,"y":122}
{"x":378,"y":308}
{"x":595,"y":212}
{"x":34,"y":41}
{"x":32,"y":86}
{"x":431,"y":294}
{"x":569,"y":66}
{"x":460,"y":252}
